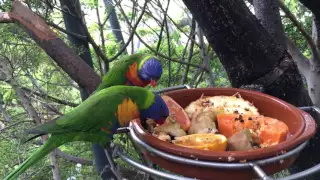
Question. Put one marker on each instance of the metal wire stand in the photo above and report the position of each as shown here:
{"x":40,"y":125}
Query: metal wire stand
{"x":254,"y":165}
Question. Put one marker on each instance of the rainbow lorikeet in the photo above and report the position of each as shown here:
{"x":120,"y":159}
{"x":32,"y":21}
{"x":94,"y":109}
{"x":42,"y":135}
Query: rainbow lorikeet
{"x":134,"y":70}
{"x":96,"y":119}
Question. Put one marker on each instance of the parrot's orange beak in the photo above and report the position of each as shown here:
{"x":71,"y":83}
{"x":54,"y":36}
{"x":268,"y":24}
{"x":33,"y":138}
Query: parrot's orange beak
{"x":153,"y":83}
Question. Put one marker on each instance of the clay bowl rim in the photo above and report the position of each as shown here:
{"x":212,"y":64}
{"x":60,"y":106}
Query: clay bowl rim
{"x":255,"y":154}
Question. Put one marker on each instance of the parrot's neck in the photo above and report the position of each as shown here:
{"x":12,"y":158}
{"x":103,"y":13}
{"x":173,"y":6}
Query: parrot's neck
{"x":133,"y":77}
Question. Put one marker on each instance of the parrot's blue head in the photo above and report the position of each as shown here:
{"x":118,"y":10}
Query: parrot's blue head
{"x":151,"y":71}
{"x":158,"y":111}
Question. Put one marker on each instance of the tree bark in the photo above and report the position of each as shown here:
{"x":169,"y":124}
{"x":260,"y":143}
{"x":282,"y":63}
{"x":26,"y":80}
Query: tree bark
{"x":269,"y":15}
{"x":71,"y":11}
{"x":247,"y":51}
{"x":271,"y":20}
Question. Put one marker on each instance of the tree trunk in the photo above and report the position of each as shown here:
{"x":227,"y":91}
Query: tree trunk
{"x":114,"y":23}
{"x":269,"y":15}
{"x":246,"y":50}
{"x":72,"y":18}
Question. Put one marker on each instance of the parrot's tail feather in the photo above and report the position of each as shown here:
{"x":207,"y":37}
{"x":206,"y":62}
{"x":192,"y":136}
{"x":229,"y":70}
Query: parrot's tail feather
{"x":45,"y":149}
{"x":35,"y":131}
{"x":33,"y":137}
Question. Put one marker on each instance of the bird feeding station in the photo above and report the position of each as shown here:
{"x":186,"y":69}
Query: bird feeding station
{"x":226,"y":165}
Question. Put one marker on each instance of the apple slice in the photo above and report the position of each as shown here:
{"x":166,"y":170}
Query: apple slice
{"x":177,"y":112}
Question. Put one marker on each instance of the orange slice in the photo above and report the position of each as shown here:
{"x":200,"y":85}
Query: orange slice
{"x":212,"y":142}
{"x":177,"y":112}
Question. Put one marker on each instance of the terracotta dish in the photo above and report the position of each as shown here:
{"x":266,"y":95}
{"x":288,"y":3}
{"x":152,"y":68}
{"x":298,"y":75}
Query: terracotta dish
{"x":301,"y":127}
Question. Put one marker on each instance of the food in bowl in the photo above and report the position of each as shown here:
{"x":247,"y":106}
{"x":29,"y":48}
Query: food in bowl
{"x":213,"y":142}
{"x":206,"y":122}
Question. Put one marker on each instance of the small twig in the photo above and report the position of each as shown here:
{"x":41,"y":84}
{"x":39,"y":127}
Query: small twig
{"x":14,"y":124}
{"x":67,"y":32}
{"x":133,"y":31}
{"x":45,"y":96}
{"x":299,"y":26}
{"x":199,"y":80}
{"x":151,"y":49}
{"x":109,"y":14}
{"x":192,"y":34}
{"x":162,"y":28}
{"x":73,"y":159}
{"x":169,"y":45}
{"x":175,"y":24}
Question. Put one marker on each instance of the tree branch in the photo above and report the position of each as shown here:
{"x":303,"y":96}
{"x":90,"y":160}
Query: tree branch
{"x":67,"y":32}
{"x":5,"y":114}
{"x":133,"y":31}
{"x":73,"y":159}
{"x":206,"y":58}
{"x":151,"y":49}
{"x":64,"y":56}
{"x":301,"y":61}
{"x":45,"y":96}
{"x":5,"y":18}
{"x":192,"y":36}
{"x":298,"y":25}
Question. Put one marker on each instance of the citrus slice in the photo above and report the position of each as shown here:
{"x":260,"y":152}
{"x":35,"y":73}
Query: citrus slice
{"x":177,"y":112}
{"x":212,"y":142}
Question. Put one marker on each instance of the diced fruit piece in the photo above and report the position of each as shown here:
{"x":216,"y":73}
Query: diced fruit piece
{"x":171,"y":127}
{"x":177,"y":112}
{"x":212,"y":142}
{"x":265,"y":130}
{"x":203,"y":123}
{"x":226,"y":124}
{"x":273,"y":131}
{"x":240,"y":141}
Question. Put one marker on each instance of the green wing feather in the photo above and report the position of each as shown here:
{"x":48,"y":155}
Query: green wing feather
{"x":117,"y":74}
{"x":96,"y":112}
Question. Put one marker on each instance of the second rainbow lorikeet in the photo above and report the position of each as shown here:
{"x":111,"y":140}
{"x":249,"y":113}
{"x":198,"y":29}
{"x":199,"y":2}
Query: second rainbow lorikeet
{"x":96,"y":119}
{"x":134,"y":70}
